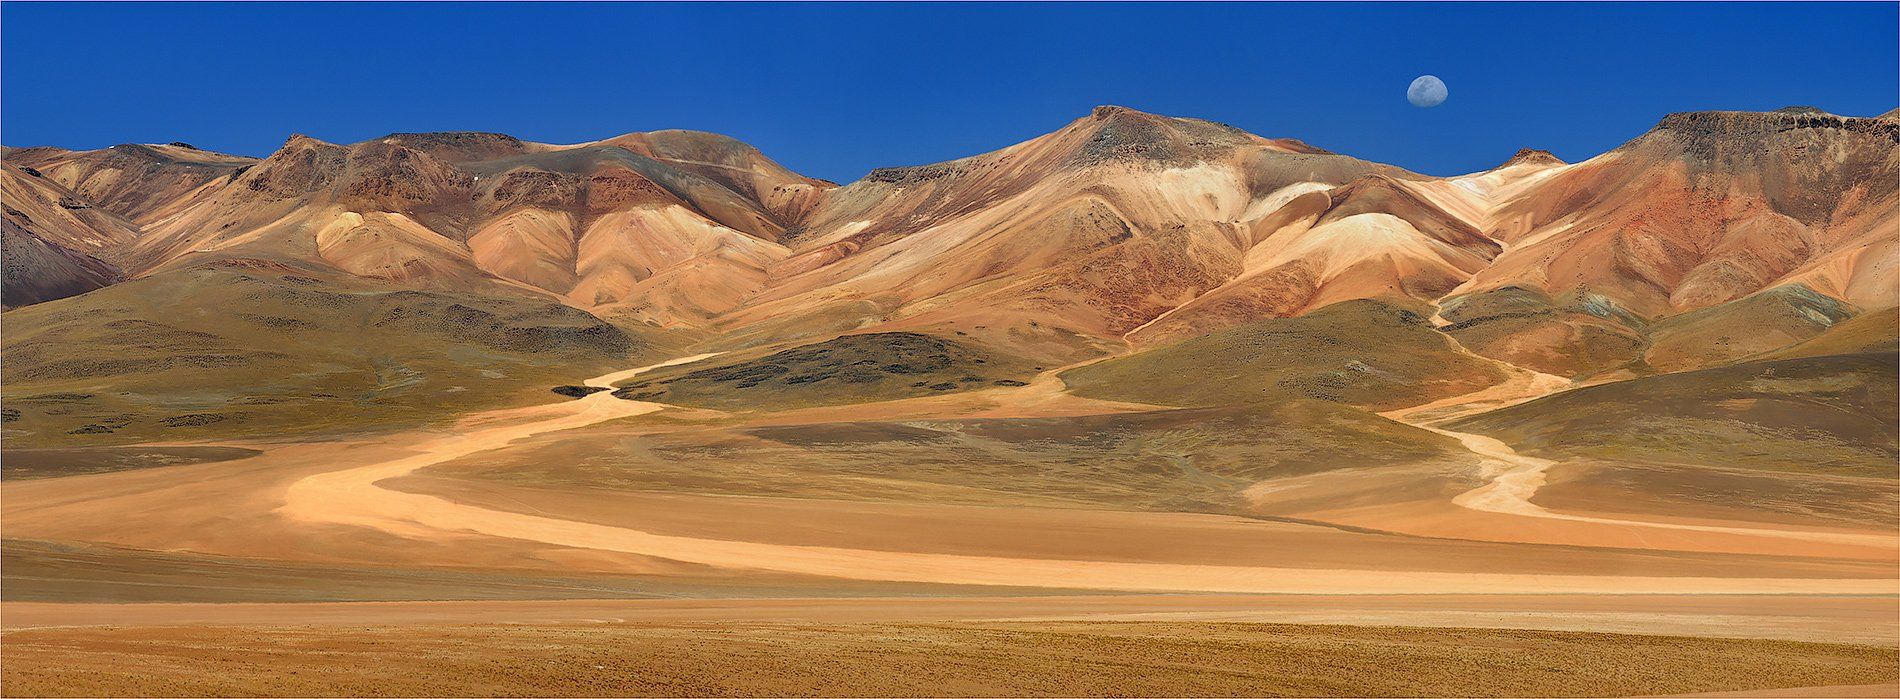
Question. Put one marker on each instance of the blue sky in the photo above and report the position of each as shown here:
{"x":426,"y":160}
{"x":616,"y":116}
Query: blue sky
{"x":833,"y":90}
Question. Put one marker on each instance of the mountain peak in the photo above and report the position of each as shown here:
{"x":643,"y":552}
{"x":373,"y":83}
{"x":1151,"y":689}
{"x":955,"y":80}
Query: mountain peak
{"x":459,"y":146}
{"x":138,"y":150}
{"x":686,"y":144}
{"x":1533,"y":156}
{"x":692,"y":135}
{"x":1109,"y":111}
{"x":1120,"y":134}
{"x":298,"y":140}
{"x":146,"y":155}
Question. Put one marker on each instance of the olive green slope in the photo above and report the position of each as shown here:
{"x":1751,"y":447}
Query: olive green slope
{"x":1871,"y":332}
{"x":1733,"y":331}
{"x":1363,"y":353}
{"x":1193,"y":459}
{"x":1582,"y":335}
{"x":249,"y":347}
{"x":1574,"y":337}
{"x":1826,"y":414}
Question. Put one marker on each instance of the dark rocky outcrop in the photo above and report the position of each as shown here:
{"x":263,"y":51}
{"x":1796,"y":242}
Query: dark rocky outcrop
{"x":845,"y":369}
{"x":916,"y":173}
{"x":1709,"y":135}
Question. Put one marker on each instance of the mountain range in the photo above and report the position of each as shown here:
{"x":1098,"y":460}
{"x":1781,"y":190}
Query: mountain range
{"x":396,"y":272}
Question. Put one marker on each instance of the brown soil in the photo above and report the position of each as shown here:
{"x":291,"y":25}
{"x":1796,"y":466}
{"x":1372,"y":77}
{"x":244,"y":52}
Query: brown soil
{"x":964,"y":659}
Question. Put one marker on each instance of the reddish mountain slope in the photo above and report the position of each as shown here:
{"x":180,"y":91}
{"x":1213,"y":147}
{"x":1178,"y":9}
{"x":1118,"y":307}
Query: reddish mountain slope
{"x":140,"y":182}
{"x":1712,"y":206}
{"x":600,"y":225}
{"x":1373,"y":238}
{"x":55,"y":242}
{"x":1051,"y":245}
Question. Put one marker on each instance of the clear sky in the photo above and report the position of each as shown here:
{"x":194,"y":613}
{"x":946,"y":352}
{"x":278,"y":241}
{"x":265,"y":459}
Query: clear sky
{"x":833,"y":90}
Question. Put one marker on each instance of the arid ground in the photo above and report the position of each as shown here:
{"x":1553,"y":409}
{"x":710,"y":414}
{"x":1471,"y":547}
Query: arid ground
{"x":1476,"y":593}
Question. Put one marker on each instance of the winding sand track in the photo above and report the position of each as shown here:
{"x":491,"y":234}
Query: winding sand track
{"x":1515,"y":478}
{"x":353,"y":497}
{"x":1512,"y":487}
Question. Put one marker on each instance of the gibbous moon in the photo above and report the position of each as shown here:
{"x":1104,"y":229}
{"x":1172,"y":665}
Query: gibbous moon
{"x":1426,"y":91}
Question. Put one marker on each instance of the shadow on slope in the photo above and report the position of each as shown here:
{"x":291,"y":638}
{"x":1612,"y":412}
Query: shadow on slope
{"x":848,"y":369}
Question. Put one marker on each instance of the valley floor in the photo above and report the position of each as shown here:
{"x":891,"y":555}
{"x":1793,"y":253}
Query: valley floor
{"x":324,"y":568}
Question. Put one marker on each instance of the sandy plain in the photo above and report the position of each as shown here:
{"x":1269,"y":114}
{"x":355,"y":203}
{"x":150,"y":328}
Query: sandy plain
{"x":993,"y":586}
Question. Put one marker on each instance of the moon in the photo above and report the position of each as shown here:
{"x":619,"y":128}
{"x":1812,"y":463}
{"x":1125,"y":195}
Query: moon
{"x":1426,"y":91}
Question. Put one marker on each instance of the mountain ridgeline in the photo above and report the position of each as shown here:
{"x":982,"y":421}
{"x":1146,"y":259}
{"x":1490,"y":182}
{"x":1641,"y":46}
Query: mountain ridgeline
{"x":1713,"y":239}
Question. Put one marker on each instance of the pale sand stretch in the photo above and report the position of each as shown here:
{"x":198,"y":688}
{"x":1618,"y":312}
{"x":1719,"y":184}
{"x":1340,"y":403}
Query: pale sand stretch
{"x":352,"y":497}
